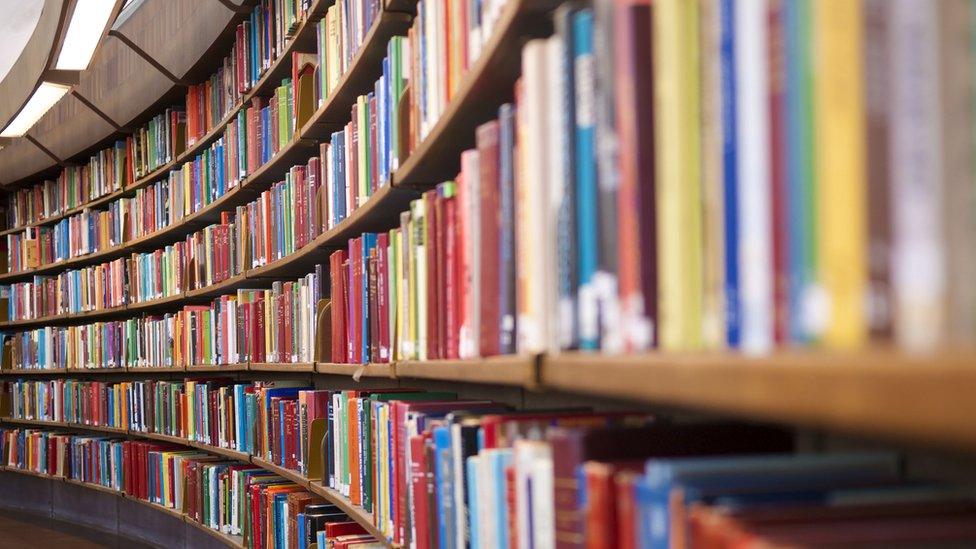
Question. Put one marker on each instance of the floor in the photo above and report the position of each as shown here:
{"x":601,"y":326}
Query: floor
{"x":18,"y":531}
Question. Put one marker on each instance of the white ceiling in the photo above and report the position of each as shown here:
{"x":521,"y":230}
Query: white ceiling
{"x":17,"y":21}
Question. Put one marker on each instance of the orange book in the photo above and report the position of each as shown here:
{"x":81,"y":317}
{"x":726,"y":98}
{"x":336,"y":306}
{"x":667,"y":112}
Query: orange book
{"x":355,"y":488}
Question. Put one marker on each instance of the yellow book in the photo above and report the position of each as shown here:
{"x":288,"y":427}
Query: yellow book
{"x":678,"y":173}
{"x":840,"y":163}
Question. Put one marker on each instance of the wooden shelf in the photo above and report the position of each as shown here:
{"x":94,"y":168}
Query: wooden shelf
{"x":517,"y":370}
{"x":32,"y":372}
{"x":307,"y":367}
{"x":217,"y":368}
{"x":355,"y":370}
{"x":236,"y":542}
{"x":293,"y":476}
{"x":91,"y":485}
{"x":355,"y":512}
{"x":917,"y":399}
{"x":156,"y":369}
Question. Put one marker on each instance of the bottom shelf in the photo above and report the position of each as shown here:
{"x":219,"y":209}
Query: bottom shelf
{"x":236,"y":542}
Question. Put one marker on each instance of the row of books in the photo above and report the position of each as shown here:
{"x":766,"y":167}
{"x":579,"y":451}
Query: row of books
{"x":718,"y":235}
{"x":106,"y":172}
{"x":94,"y":288}
{"x":277,"y":324}
{"x":434,"y":470}
{"x":95,"y":460}
{"x":259,"y":41}
{"x":228,"y":496}
{"x":445,"y":40}
{"x":339,"y":35}
{"x":109,"y":170}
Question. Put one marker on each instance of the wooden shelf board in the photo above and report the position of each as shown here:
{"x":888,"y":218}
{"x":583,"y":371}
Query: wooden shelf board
{"x":93,"y":486}
{"x":159,"y":436}
{"x":224,"y":286}
{"x":158,"y":303}
{"x":518,"y":370}
{"x":355,"y":512}
{"x":217,"y":368}
{"x":364,"y":370}
{"x":95,"y":371}
{"x":156,"y":369}
{"x":226,"y":452}
{"x":33,"y":372}
{"x":293,"y":476}
{"x":157,"y":507}
{"x":236,"y":542}
{"x":918,"y":399}
{"x":281,"y":367}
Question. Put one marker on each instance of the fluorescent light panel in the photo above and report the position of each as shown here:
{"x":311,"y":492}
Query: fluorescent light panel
{"x":46,"y":95}
{"x":87,"y":23}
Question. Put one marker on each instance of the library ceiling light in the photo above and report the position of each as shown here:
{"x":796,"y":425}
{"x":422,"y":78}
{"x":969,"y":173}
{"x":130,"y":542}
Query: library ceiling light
{"x":44,"y":97}
{"x":88,"y":20}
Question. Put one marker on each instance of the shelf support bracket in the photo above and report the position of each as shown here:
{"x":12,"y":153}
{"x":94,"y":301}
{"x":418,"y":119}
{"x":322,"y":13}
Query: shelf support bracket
{"x":43,"y":149}
{"x":149,"y":59}
{"x":95,"y":109}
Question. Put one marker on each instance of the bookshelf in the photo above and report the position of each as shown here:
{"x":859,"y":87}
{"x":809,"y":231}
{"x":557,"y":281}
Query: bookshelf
{"x":356,"y":513}
{"x":878,"y":393}
{"x":228,"y":540}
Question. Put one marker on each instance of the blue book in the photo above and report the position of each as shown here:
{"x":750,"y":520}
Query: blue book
{"x":698,"y":477}
{"x":339,"y":165}
{"x":587,"y":216}
{"x":799,"y":163}
{"x":471,"y":468}
{"x":501,"y":460}
{"x":300,"y":531}
{"x":369,"y":242}
{"x":729,"y":160}
{"x":445,"y":487}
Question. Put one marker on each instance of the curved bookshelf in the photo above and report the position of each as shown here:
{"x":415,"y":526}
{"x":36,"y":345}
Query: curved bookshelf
{"x":361,"y":74}
{"x":355,"y":513}
{"x":880,"y":393}
{"x":236,"y":542}
{"x":200,"y":65}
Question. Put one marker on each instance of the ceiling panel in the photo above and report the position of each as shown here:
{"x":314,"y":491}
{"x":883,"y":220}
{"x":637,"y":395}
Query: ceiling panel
{"x":121,"y":83}
{"x":176,"y":32}
{"x":70,"y":127}
{"x":21,"y":159}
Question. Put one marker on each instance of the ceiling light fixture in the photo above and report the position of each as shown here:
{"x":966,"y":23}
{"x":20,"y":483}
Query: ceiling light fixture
{"x":44,"y":97}
{"x":84,"y":31}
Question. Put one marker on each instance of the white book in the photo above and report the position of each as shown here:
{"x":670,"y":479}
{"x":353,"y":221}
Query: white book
{"x":918,"y":254}
{"x":470,"y":193}
{"x":531,"y":192}
{"x":752,"y":137}
{"x":558,"y":335}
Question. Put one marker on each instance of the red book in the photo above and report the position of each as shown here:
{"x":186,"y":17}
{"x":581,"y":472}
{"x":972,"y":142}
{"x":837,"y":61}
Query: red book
{"x":625,"y":493}
{"x":356,"y":300}
{"x":636,"y":221}
{"x":452,"y":280}
{"x":440,"y":270}
{"x":418,"y":481}
{"x":338,"y":307}
{"x":430,"y":251}
{"x":335,"y":529}
{"x":490,"y":206}
{"x":382,"y":286}
{"x":777,"y":127}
